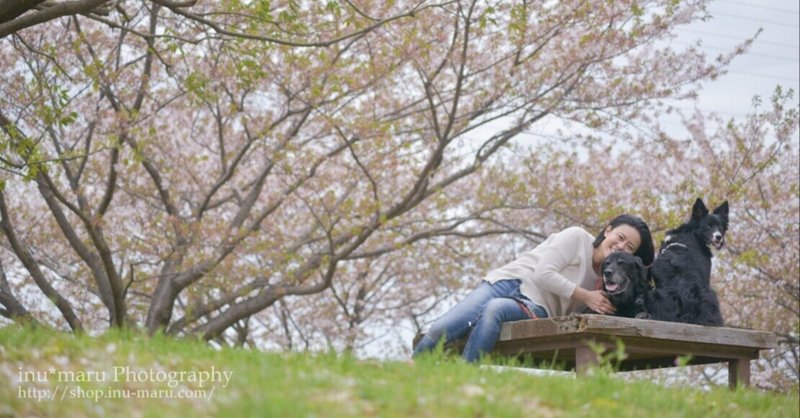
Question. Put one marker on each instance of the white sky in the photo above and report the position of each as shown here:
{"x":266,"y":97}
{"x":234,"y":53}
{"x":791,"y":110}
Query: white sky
{"x":774,"y":57}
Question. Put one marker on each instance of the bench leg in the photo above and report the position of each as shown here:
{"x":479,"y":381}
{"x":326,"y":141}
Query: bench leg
{"x":585,"y":359}
{"x":739,"y":372}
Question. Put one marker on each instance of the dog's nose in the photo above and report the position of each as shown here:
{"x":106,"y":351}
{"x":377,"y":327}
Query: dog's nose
{"x":717,"y":236}
{"x":607,"y":273}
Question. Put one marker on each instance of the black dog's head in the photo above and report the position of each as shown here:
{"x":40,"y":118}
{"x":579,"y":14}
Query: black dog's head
{"x":624,"y":279}
{"x":707,"y":228}
{"x":711,"y":227}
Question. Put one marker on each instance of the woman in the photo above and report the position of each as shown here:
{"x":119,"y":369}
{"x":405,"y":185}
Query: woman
{"x":556,"y":278}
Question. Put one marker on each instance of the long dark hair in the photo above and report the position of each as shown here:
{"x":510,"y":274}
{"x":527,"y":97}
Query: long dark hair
{"x":646,"y":251}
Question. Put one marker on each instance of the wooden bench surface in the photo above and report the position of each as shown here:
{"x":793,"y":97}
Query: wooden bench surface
{"x":565,"y":342}
{"x":648,"y":344}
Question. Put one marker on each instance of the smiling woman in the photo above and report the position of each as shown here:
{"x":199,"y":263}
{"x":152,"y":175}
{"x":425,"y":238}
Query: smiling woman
{"x":556,"y":278}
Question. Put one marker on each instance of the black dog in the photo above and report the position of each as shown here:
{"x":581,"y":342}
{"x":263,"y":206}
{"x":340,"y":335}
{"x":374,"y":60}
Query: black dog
{"x":682,"y":270}
{"x":625,"y":282}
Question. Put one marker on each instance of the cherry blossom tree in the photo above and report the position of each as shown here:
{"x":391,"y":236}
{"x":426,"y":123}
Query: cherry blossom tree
{"x":279,"y":22}
{"x":210,"y":177}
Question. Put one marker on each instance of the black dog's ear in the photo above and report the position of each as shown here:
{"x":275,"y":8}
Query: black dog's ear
{"x":641,"y":272}
{"x":722,"y":212}
{"x":699,"y":210}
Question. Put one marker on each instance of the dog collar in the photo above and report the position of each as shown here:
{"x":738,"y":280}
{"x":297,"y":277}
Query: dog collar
{"x":674,"y":244}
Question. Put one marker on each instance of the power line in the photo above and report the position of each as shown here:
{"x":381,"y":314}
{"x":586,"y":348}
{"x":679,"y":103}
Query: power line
{"x":772,"y":77}
{"x":738,"y":38}
{"x":750,"y":18}
{"x":758,"y":6}
{"x":755,"y":54}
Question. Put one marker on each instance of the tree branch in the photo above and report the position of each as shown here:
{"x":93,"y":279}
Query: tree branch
{"x":21,"y":250}
{"x":11,"y":23}
{"x":243,"y":35}
{"x":14,"y":310}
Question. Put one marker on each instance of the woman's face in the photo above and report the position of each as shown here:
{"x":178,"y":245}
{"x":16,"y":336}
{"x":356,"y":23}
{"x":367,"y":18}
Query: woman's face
{"x":622,"y":238}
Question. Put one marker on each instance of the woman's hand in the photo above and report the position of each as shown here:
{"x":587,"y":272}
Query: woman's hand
{"x":595,"y":300}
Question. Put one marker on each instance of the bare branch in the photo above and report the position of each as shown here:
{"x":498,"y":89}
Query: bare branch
{"x":243,"y":35}
{"x":11,"y":23}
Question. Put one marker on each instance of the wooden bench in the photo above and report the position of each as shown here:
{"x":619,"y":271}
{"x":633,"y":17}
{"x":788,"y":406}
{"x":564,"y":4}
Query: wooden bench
{"x":567,"y":342}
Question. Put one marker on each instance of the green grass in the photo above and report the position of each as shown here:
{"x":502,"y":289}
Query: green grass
{"x":303,"y":385}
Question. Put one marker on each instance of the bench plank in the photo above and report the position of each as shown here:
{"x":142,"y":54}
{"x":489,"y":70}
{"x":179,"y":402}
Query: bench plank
{"x":630,"y":327}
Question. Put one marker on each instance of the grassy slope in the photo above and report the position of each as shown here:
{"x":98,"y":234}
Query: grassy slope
{"x":303,"y":385}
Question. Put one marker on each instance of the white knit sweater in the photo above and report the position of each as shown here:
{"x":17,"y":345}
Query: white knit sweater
{"x":551,"y":271}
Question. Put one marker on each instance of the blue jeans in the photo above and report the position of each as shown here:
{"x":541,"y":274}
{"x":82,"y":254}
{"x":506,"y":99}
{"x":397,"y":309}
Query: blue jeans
{"x":482,"y":312}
